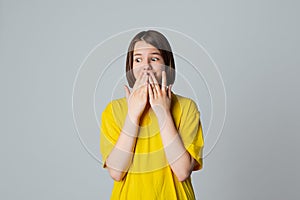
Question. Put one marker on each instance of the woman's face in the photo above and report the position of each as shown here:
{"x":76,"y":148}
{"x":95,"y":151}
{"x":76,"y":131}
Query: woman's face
{"x":147,"y":58}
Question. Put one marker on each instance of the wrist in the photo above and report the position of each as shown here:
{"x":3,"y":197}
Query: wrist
{"x":164,"y":118}
{"x":133,"y":119}
{"x":130,"y":127}
{"x":166,"y":114}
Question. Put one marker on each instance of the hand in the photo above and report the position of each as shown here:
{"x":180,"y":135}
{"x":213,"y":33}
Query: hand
{"x":137,"y":99}
{"x":159,"y":98}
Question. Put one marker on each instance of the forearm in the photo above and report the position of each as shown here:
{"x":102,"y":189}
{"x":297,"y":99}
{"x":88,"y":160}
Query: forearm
{"x":120,"y":158}
{"x":180,"y":160}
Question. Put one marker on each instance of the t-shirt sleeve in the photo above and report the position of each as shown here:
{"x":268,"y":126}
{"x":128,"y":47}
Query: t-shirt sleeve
{"x":191,"y":133}
{"x":109,"y":132}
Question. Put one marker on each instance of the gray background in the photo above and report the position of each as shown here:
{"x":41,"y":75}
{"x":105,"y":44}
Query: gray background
{"x":254,"y":43}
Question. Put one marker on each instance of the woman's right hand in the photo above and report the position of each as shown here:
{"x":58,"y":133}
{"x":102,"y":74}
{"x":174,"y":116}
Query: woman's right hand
{"x":137,"y":99}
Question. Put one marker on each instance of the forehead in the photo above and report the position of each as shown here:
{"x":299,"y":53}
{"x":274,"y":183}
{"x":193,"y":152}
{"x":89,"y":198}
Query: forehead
{"x":142,"y":46}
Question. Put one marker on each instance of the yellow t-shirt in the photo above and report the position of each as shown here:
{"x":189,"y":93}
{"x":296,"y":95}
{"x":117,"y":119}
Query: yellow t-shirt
{"x":150,"y":176}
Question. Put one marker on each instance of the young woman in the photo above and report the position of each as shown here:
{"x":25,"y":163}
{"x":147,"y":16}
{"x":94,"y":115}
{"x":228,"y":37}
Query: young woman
{"x":151,"y":140}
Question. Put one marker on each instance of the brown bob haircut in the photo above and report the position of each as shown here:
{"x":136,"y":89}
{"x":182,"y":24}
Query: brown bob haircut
{"x":160,"y":42}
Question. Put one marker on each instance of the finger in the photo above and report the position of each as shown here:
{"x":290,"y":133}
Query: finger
{"x":153,"y":87}
{"x":153,"y":78}
{"x":150,"y":79}
{"x":170,"y":91}
{"x":150,"y":91}
{"x":139,"y":77}
{"x":164,"y":81}
{"x":140,"y":82}
{"x":144,"y":79}
{"x":156,"y":85}
{"x":146,"y":89}
{"x":127,"y":91}
{"x":152,"y":83}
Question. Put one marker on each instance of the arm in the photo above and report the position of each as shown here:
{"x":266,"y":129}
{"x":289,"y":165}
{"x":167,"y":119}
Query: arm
{"x":120,"y":158}
{"x":181,"y":162}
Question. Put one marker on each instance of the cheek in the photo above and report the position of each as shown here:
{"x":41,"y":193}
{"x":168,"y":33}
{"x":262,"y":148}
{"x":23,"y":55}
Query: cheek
{"x":158,"y":67}
{"x":159,"y":78}
{"x":136,"y":72}
{"x":158,"y":71}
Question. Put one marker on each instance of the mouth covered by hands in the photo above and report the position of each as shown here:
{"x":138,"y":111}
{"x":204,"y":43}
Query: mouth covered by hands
{"x":159,"y":96}
{"x":147,"y":89}
{"x":137,"y":99}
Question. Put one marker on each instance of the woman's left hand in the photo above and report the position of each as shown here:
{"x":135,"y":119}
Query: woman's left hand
{"x":159,"y":98}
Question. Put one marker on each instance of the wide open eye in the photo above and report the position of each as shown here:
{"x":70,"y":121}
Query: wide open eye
{"x":154,"y":59}
{"x":138,"y":60}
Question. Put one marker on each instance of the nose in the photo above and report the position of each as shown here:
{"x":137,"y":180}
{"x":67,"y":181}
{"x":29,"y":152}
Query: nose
{"x":148,"y":67}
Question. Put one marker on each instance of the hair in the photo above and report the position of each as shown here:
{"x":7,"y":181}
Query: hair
{"x":160,"y":42}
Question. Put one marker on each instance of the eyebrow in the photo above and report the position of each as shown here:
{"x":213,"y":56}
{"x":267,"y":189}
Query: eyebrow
{"x":153,"y":53}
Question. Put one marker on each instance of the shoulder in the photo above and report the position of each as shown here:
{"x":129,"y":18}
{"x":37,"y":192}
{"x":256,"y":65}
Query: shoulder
{"x":115,"y":106}
{"x":186,"y":104}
